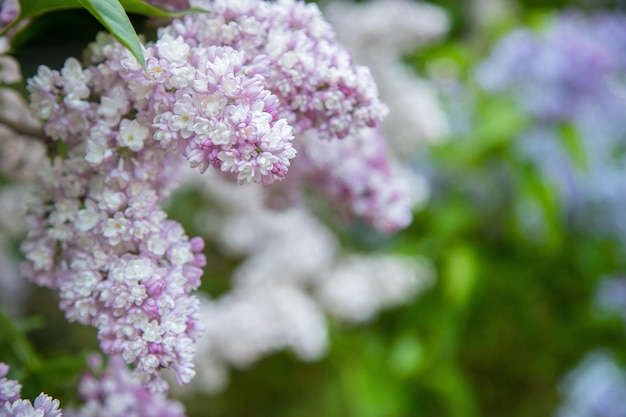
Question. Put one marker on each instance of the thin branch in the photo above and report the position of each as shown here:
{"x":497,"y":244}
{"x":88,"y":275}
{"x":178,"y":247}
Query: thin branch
{"x":24,"y":130}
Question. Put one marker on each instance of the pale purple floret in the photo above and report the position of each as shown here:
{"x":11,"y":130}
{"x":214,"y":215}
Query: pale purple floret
{"x":48,"y":405}
{"x":11,"y":405}
{"x":44,"y":406}
{"x":9,"y":11}
{"x":113,"y":392}
{"x":9,"y":389}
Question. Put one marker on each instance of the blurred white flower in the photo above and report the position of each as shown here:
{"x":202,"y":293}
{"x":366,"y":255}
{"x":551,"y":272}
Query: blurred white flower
{"x":293,"y":271}
{"x":379,"y":33}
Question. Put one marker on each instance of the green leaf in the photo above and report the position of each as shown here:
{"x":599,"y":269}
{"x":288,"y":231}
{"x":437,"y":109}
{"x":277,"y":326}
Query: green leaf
{"x":109,"y":13}
{"x":460,"y":273}
{"x":113,"y":17}
{"x":30,"y":8}
{"x":140,"y":7}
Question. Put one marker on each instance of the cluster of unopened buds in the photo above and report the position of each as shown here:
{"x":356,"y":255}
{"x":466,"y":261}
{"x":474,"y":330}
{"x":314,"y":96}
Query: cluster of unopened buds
{"x":241,"y":89}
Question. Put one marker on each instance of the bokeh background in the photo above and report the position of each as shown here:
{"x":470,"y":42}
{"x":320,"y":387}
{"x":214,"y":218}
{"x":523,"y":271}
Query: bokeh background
{"x":509,"y":120}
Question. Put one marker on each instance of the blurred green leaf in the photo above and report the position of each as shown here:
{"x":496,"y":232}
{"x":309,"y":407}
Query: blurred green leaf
{"x":498,"y":122}
{"x":406,"y":355}
{"x":571,"y":141}
{"x":367,"y":396}
{"x":537,"y":209}
{"x":540,"y":17}
{"x":459,"y":275}
{"x":56,"y":376}
{"x":451,"y":385}
{"x":443,"y":59}
{"x":15,"y":345}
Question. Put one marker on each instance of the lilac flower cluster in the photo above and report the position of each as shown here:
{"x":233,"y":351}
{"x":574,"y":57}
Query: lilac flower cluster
{"x":97,"y":234}
{"x":252,"y":322}
{"x":546,"y":86}
{"x":320,"y":93}
{"x":379,"y":33}
{"x":206,"y":105}
{"x":360,"y":286}
{"x":114,"y":392}
{"x":596,"y":387}
{"x":361,"y":175}
{"x":610,"y":296}
{"x":356,"y":175}
{"x":11,"y":405}
{"x":291,"y":45}
{"x":572,"y":75}
{"x":226,"y":89}
{"x":292,"y":273}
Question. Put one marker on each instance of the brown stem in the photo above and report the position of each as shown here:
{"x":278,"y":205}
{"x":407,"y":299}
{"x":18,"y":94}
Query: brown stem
{"x":24,"y":130}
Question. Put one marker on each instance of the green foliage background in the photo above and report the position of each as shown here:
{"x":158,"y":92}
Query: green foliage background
{"x":511,"y":311}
